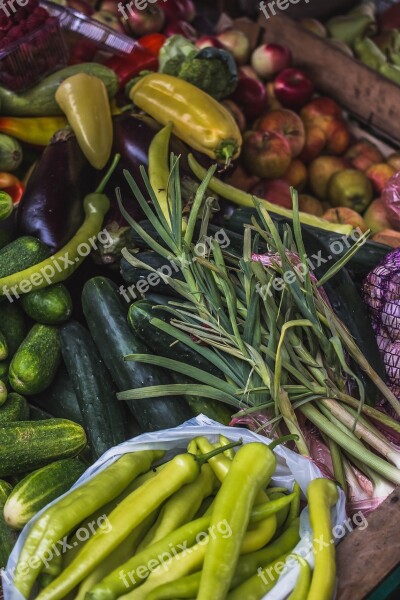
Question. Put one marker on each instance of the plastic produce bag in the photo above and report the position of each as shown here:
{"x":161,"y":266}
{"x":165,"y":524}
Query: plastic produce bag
{"x":291,"y":467}
{"x":391,"y":200}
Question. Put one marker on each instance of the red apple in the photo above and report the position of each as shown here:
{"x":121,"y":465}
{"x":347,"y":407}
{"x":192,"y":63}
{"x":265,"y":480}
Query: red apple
{"x":238,"y":43}
{"x":242,"y":180}
{"x":208,"y":41}
{"x":364,"y":154}
{"x":310,"y":205}
{"x":251,"y":96}
{"x":108,"y":19}
{"x":81,"y":6}
{"x":345,"y":216}
{"x":376,"y":216}
{"x":269,"y":59}
{"x":276,"y":191}
{"x":287,"y":123}
{"x":181,"y":28}
{"x":296,"y":175}
{"x":321,"y":107}
{"x":266,"y":154}
{"x":177,"y":10}
{"x":389,"y":237}
{"x":140,"y":22}
{"x":379,"y":175}
{"x":314,"y":144}
{"x":337,"y":136}
{"x":293,"y":88}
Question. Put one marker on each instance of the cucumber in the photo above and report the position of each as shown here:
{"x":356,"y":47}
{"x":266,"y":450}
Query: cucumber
{"x":60,"y":399}
{"x":39,"y":488}
{"x":106,"y":316}
{"x":3,"y":346}
{"x":4,"y":367}
{"x":49,"y":306}
{"x":40,"y":101}
{"x":3,"y":392}
{"x":15,"y":408}
{"x":103,"y":415}
{"x":7,"y":536}
{"x":6,"y":205}
{"x":10,"y":153}
{"x":139,"y":317}
{"x":21,"y":254}
{"x":28,"y":445}
{"x":132,"y":275}
{"x":13,"y":326}
{"x":35,"y":363}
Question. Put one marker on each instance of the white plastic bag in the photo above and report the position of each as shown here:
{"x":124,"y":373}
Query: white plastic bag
{"x":291,"y":467}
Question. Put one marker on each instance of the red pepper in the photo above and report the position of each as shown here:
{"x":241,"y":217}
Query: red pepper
{"x":13,"y":186}
{"x":129,"y":66}
{"x":153,"y":42}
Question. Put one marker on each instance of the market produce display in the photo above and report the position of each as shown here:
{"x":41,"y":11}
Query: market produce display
{"x":189,"y":229}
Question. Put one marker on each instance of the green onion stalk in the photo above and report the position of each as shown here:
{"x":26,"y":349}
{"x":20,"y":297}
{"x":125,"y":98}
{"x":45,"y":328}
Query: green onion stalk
{"x":282,"y":351}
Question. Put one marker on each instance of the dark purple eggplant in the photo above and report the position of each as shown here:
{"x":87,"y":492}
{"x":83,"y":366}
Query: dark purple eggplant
{"x":51,"y":208}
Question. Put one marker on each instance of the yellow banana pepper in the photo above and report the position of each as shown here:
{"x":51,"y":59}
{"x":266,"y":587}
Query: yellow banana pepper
{"x":84,"y":100}
{"x":199,"y":120}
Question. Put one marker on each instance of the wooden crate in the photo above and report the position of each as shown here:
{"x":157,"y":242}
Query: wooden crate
{"x":371,"y":98}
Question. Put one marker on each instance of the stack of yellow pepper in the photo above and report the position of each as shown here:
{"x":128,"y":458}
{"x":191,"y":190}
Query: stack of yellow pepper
{"x":204,"y":525}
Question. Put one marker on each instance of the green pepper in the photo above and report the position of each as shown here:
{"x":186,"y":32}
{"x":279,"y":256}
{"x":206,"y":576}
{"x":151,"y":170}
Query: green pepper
{"x":302,"y":587}
{"x":250,"y":472}
{"x":260,"y":584}
{"x":322,"y":494}
{"x":66,"y":514}
{"x":181,"y":470}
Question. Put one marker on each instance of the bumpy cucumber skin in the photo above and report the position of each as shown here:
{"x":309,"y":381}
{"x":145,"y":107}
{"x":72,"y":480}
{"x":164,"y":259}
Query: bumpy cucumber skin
{"x":3,"y":346}
{"x":13,"y":326}
{"x":39,"y":488}
{"x":35,"y":363}
{"x":10,"y":153}
{"x":49,"y":306}
{"x":15,"y":408}
{"x":28,"y":445}
{"x":20,"y":254}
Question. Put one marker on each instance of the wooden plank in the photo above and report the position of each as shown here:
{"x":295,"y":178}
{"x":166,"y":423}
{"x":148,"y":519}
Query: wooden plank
{"x":367,"y":95}
{"x":367,"y":556}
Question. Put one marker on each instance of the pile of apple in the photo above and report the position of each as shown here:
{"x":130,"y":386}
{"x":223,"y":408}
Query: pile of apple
{"x":294,"y":138}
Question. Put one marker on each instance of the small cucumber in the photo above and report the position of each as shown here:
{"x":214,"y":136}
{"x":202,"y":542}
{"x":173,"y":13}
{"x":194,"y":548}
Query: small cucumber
{"x":7,"y":536}
{"x":21,"y":254}
{"x":28,"y":445}
{"x":49,"y":306}
{"x":6,"y":205}
{"x":4,"y":367}
{"x":39,"y":488}
{"x":15,"y":408}
{"x":10,"y":153}
{"x":13,"y":326}
{"x":3,"y":392}
{"x":3,"y":346}
{"x":35,"y":363}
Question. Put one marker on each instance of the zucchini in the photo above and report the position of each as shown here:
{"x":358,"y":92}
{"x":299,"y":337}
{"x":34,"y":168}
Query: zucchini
{"x":28,"y":445}
{"x":39,"y":101}
{"x":3,"y":392}
{"x":35,"y":363}
{"x":60,"y":399}
{"x":4,"y":368}
{"x":15,"y":408}
{"x":13,"y":326}
{"x":6,"y":205}
{"x":132,"y":275}
{"x":103,"y":415}
{"x":3,"y":346}
{"x":10,"y":153}
{"x":20,"y":254}
{"x":39,"y":488}
{"x":106,"y":315}
{"x":7,"y":536}
{"x":49,"y":306}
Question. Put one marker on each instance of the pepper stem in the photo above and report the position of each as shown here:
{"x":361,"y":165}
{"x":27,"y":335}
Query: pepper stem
{"x":106,"y":178}
{"x":281,"y":440}
{"x":203,"y":458}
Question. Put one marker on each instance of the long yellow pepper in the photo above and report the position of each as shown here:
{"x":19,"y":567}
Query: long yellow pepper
{"x":199,"y":120}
